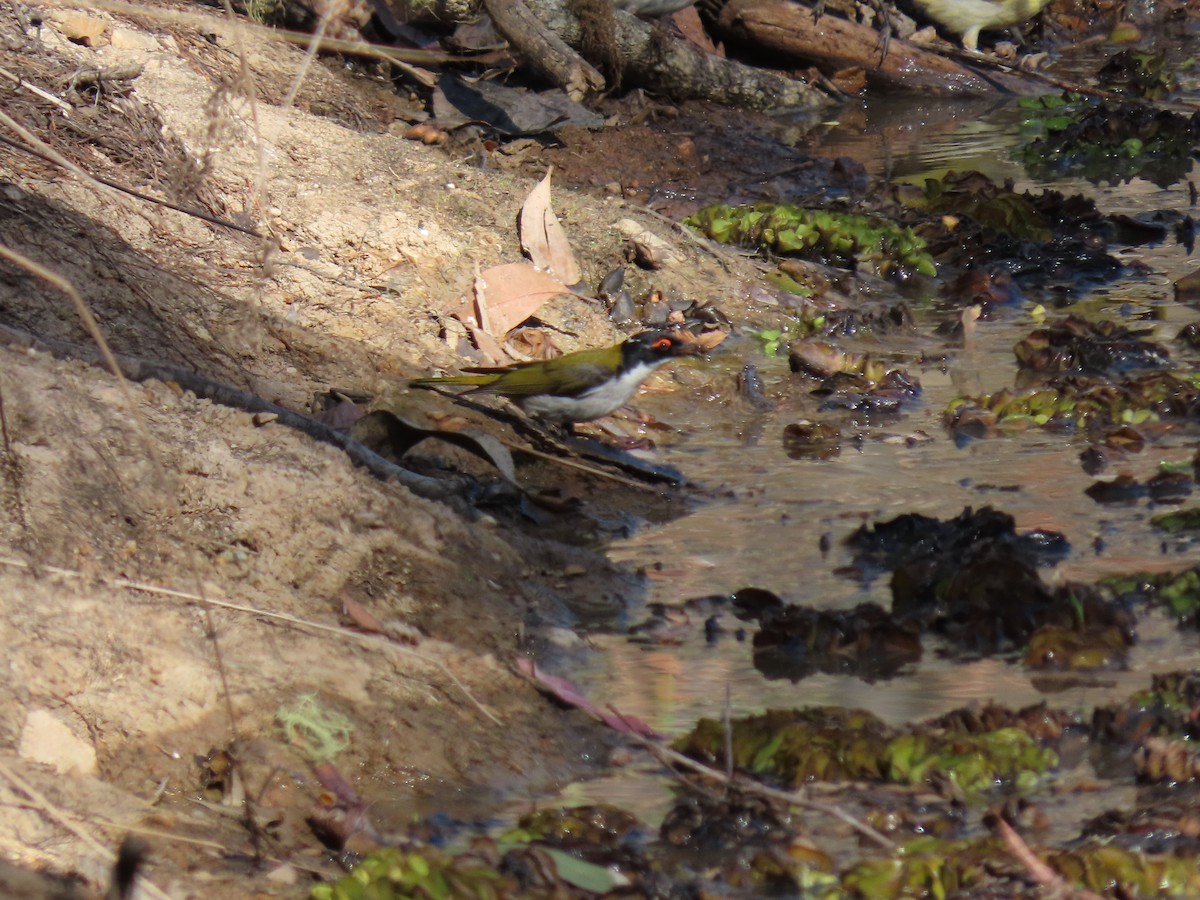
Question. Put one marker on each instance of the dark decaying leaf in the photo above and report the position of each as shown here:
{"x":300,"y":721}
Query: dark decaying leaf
{"x":510,"y":111}
{"x":392,"y":437}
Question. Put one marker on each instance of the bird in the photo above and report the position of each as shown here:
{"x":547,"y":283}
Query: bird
{"x":968,"y":17}
{"x":575,"y":387}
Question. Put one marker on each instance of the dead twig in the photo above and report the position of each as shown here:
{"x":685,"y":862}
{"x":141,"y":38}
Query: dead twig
{"x":580,"y":466}
{"x":651,"y":740}
{"x":55,"y":159}
{"x":314,"y":45}
{"x":34,"y":89}
{"x":444,"y":490}
{"x":674,"y":758}
{"x":374,"y":642}
{"x":1038,"y":870}
{"x":52,"y":811}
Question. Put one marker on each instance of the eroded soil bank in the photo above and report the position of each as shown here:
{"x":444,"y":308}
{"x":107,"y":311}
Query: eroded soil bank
{"x":130,"y":513}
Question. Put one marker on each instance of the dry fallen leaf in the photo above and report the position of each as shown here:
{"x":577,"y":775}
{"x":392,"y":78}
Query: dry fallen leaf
{"x":507,"y":295}
{"x":78,"y":27}
{"x":357,"y":613}
{"x":531,"y":343}
{"x":709,"y":339}
{"x":543,"y":237}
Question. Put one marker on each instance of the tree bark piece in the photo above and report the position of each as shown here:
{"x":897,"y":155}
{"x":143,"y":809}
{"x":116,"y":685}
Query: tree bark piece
{"x":663,"y":64}
{"x":832,"y":43}
{"x":543,"y":49}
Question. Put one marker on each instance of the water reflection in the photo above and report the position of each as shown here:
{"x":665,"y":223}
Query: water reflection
{"x":671,"y":687}
{"x":765,"y":516}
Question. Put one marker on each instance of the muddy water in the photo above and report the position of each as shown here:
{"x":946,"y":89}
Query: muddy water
{"x":764,"y":515}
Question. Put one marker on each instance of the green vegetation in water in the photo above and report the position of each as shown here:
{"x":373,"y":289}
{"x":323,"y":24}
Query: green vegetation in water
{"x":833,"y":744}
{"x":1077,"y":403}
{"x":836,"y":238}
{"x":804,"y":325}
{"x":1138,"y":73}
{"x":786,"y":281}
{"x":1098,"y":868}
{"x":1177,"y":592}
{"x":593,"y":826}
{"x":1178,"y":521}
{"x":996,"y":207}
{"x":1074,"y":343}
{"x":1059,"y":647}
{"x":1105,"y":141}
{"x":393,"y":874}
{"x":932,"y":868}
{"x":771,"y":340}
{"x":735,"y":842}
{"x":926,"y":866}
{"x":973,"y":222}
{"x":1171,"y":690}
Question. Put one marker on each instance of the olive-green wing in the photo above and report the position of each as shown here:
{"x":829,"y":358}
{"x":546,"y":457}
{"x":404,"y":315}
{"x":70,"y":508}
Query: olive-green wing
{"x":566,"y":376}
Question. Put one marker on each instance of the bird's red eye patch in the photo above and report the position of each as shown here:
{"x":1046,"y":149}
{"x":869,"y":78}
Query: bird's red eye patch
{"x":663,"y":344}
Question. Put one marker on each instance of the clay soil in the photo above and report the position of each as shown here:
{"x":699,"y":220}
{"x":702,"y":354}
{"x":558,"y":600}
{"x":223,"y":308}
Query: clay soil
{"x":174,"y":571}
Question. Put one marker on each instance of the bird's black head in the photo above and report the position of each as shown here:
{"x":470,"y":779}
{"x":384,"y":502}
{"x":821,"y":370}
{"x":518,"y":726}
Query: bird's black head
{"x":655,"y":347}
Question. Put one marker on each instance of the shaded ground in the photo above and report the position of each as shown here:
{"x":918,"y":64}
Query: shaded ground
{"x":379,"y":238}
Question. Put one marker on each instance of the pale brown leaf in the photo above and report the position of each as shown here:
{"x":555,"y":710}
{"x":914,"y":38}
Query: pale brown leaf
{"x":357,"y":613}
{"x":543,"y":237}
{"x":531,"y":343}
{"x":709,"y":339}
{"x":507,"y":295}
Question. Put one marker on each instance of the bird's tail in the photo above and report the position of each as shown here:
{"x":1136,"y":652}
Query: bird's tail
{"x":477,"y":380}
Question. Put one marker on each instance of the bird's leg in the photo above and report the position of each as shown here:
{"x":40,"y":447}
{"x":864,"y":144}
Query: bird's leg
{"x":886,"y":27}
{"x":880,"y":7}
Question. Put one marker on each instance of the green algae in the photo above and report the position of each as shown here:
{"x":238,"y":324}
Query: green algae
{"x":428,"y":874}
{"x":833,"y":744}
{"x":836,"y":238}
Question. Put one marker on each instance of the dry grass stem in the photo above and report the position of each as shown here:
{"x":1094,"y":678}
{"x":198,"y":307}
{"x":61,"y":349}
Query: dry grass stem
{"x":34,"y":89}
{"x":314,"y":45}
{"x":93,"y":329}
{"x":373,"y":642}
{"x":63,"y":819}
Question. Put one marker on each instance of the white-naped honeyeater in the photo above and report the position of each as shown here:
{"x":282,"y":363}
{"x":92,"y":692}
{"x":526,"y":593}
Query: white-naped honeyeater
{"x":575,"y":387}
{"x":969,"y":17}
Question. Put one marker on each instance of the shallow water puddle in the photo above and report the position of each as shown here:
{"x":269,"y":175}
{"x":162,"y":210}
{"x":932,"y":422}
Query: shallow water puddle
{"x":768,"y":514}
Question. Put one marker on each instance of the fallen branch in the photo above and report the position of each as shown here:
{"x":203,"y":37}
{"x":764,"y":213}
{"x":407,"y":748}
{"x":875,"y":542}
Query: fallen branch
{"x":648,"y":738}
{"x":544,"y":51}
{"x":669,"y":66}
{"x":787,"y":28}
{"x":748,"y":785}
{"x":1038,"y":870}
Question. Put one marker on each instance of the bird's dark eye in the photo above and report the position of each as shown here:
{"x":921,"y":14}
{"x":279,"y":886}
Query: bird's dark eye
{"x":662,"y":343}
